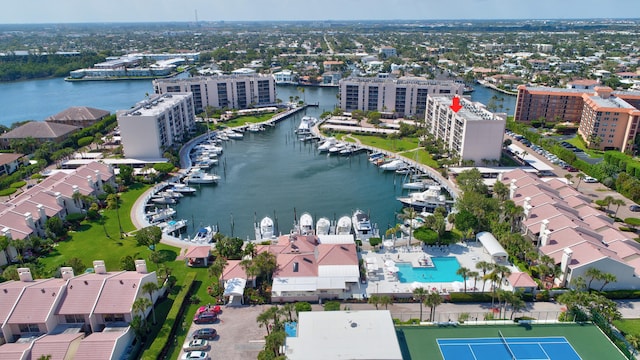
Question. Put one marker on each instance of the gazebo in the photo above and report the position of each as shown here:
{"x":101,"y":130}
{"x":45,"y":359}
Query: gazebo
{"x":492,"y":246}
{"x":198,"y":256}
{"x":234,"y":289}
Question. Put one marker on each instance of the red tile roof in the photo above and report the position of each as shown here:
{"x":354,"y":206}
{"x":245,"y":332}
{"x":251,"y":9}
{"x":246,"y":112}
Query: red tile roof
{"x":59,"y":347}
{"x":36,"y":302}
{"x":98,"y":346}
{"x":82,"y":294}
{"x":198,"y":252}
{"x":119,"y":293}
{"x":15,"y":351}
{"x":521,"y":279}
{"x":10,"y":291}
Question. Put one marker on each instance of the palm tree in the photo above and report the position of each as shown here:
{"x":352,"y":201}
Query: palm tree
{"x":433,"y":300}
{"x":287,"y":310}
{"x":265,"y":317}
{"x":375,"y":300}
{"x":580,"y":176}
{"x":608,"y":200}
{"x":420,"y":294}
{"x":386,"y":301}
{"x":393,"y":231}
{"x":484,"y":267}
{"x":516,"y":303}
{"x":408,"y":213}
{"x":504,"y":272}
{"x":592,"y":274}
{"x":494,"y":277}
{"x":464,"y":273}
{"x":607,"y":278}
{"x":618,"y":203}
{"x":475,"y":276}
{"x":139,"y":306}
{"x":4,"y":246}
{"x":501,"y":191}
{"x":150,"y":288}
{"x":568,"y":177}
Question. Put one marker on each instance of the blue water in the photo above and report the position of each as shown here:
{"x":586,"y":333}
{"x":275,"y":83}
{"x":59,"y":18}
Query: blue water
{"x":444,"y":271}
{"x":291,"y":329}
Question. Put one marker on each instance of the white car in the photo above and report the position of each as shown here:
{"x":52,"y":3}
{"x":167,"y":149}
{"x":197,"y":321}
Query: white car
{"x":195,"y":355}
{"x":197,"y":344}
{"x":589,"y":179}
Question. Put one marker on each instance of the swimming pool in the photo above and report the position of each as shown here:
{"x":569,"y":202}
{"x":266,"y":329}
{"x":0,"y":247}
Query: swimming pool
{"x":291,"y":329}
{"x":444,"y":270}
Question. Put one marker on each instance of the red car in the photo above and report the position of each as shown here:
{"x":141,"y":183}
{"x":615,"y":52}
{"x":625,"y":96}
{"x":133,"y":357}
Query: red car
{"x":571,"y":169}
{"x":215,"y":309}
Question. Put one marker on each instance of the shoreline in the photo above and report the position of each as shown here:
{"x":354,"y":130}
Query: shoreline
{"x":493,"y":87}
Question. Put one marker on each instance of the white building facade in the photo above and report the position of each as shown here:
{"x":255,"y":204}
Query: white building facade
{"x":473,"y":133}
{"x":403,"y":97}
{"x":156,"y":124}
{"x":238,"y":91}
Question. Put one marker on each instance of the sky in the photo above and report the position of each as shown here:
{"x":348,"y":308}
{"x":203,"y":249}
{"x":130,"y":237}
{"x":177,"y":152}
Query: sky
{"x":86,"y":11}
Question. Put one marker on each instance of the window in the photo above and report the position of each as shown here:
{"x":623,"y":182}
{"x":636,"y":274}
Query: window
{"x":74,"y":319}
{"x":29,"y":328}
{"x":114,"y":317}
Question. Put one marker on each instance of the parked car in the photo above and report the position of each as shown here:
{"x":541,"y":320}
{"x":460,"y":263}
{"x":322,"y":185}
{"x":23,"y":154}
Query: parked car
{"x":216,"y":309}
{"x":195,"y":345}
{"x":589,"y":179}
{"x":195,"y":355}
{"x":634,"y":208}
{"x":206,"y":317}
{"x":570,"y":168}
{"x":205,"y":333}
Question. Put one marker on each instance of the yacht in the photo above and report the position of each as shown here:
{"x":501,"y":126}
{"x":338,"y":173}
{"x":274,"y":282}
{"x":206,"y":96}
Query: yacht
{"x":375,"y":156}
{"x":337,"y":148}
{"x":326,"y":144}
{"x":265,"y":229}
{"x":306,"y":123}
{"x":173,"y":226}
{"x":323,"y":226}
{"x":182,"y":188}
{"x":204,"y":235}
{"x":199,"y":176}
{"x":428,"y":199}
{"x":255,"y":128}
{"x":164,"y":200}
{"x":393,"y":165}
{"x":418,"y":185}
{"x":343,"y":227}
{"x":160,"y":215}
{"x":361,"y":225}
{"x":306,"y":224}
{"x":234,"y":135}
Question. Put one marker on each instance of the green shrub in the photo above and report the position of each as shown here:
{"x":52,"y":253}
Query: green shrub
{"x":7,"y":192}
{"x":426,"y":235}
{"x":332,"y":306}
{"x":621,"y":294}
{"x":163,"y":340}
{"x":82,"y":142}
{"x":470,"y":297}
{"x":18,"y":184}
{"x":302,"y":306}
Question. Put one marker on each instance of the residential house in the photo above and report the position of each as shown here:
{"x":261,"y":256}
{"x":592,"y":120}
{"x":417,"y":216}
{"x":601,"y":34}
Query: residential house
{"x":80,"y":116}
{"x":40,"y":131}
{"x":10,"y":162}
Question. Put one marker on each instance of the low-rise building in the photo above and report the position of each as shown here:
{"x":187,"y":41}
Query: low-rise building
{"x":80,"y":116}
{"x":164,"y":121}
{"x":40,"y":131}
{"x":10,"y":162}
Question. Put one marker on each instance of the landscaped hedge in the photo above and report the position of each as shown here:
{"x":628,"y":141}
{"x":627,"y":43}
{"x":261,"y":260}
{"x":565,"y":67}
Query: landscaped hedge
{"x":621,"y":294}
{"x":470,"y":297}
{"x":9,"y":191}
{"x":18,"y":184}
{"x":162,"y":341}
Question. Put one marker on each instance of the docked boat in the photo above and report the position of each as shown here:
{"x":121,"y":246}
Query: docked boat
{"x":309,"y":137}
{"x":323,"y":226}
{"x":265,"y":229}
{"x":337,"y":148}
{"x":204,"y":235}
{"x":326,"y":144}
{"x":375,"y":156}
{"x":393,"y":165}
{"x":255,"y":128}
{"x":159,"y":215}
{"x":306,"y":123}
{"x":173,"y":226}
{"x":205,"y":163}
{"x":231,"y":134}
{"x":306,"y":224}
{"x":182,"y":188}
{"x":418,"y":185}
{"x":348,"y":150}
{"x":428,"y":199}
{"x":361,"y":225}
{"x":343,"y":227}
{"x":199,"y":176}
{"x":170,"y":193}
{"x":164,"y":200}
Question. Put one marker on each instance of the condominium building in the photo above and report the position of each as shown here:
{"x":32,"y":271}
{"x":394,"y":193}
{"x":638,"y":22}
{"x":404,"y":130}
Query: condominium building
{"x":156,"y":124}
{"x":403,"y":97}
{"x":237,"y":91}
{"x":608,"y":122}
{"x":551,"y":104}
{"x":473,"y":133}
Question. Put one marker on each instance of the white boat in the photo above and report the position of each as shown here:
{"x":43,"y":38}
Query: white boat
{"x":173,"y":226}
{"x":306,"y":123}
{"x":164,"y":200}
{"x":160,"y":215}
{"x":429,"y":199}
{"x":336,"y":148}
{"x":343,"y":227}
{"x":207,"y":148}
{"x":323,"y":226}
{"x":418,"y":185}
{"x":393,"y":165}
{"x":170,"y":193}
{"x":376,"y":156}
{"x":204,"y":235}
{"x":264,"y":230}
{"x":306,"y":224}
{"x":182,"y":188}
{"x":233,"y":134}
{"x":326,"y":144}
{"x":199,"y":176}
{"x":411,"y":224}
{"x":361,"y":224}
{"x":205,"y":163}
{"x":255,"y":128}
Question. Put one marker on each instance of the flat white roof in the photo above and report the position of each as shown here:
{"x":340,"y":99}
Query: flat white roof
{"x":336,"y":239}
{"x":324,"y":335}
{"x":491,"y":244}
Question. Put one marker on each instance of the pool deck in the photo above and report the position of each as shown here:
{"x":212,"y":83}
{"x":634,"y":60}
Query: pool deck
{"x":385,"y":282}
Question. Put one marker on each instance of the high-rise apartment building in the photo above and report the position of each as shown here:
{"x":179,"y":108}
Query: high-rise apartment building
{"x":403,"y":97}
{"x":156,"y":124}
{"x":551,"y":104}
{"x":472,"y":133}
{"x":608,"y":122}
{"x":238,"y":91}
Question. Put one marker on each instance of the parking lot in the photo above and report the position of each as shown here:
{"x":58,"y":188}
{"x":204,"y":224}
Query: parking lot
{"x":239,"y":336}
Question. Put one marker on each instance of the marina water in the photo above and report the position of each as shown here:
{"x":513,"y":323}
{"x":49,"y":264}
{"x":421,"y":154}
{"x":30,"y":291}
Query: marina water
{"x":267,"y":174}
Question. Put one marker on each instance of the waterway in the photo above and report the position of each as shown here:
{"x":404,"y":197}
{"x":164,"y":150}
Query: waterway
{"x":266,"y":174}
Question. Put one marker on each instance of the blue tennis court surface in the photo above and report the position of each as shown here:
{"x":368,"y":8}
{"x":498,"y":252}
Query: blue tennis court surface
{"x":546,"y":348}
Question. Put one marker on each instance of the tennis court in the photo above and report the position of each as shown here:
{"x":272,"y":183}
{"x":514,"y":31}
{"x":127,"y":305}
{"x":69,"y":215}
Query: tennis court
{"x":547,"y":348}
{"x":483,"y":342}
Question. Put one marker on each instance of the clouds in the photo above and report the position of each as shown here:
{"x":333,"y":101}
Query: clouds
{"x":47,"y":11}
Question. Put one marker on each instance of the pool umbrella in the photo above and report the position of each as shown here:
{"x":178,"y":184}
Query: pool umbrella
{"x":414,"y":285}
{"x":388,"y":243}
{"x":393,"y":269}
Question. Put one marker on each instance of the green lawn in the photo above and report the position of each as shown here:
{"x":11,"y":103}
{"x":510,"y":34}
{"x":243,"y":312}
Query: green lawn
{"x":394,"y":145}
{"x":242,"y":120}
{"x":577,"y":142}
{"x":100,"y":240}
{"x":587,"y":340}
{"x":628,"y":326}
{"x":422,"y":157}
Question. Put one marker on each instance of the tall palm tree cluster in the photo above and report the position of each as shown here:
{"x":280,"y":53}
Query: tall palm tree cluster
{"x":428,"y":298}
{"x":273,"y":319}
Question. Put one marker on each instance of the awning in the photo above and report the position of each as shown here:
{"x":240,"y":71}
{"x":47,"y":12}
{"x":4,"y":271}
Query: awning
{"x":235,"y":287}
